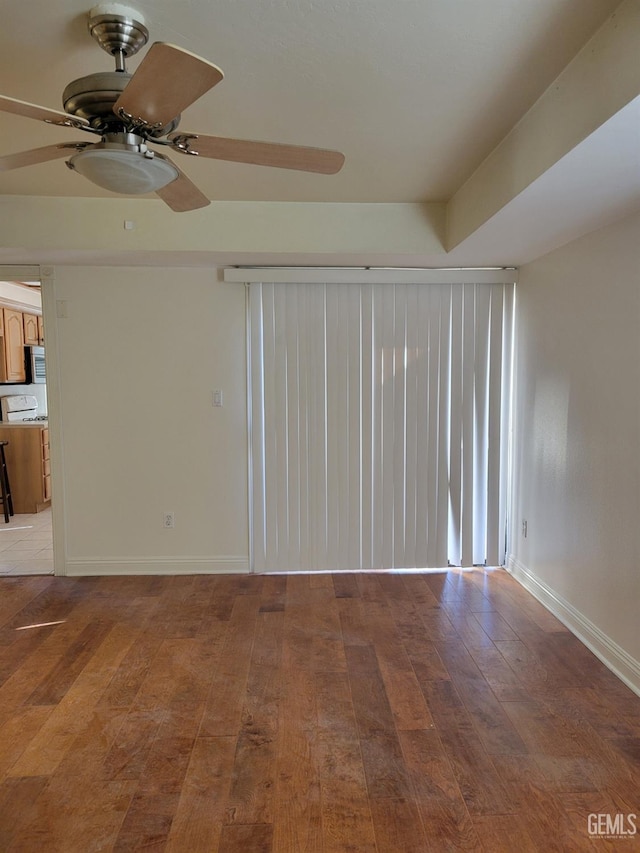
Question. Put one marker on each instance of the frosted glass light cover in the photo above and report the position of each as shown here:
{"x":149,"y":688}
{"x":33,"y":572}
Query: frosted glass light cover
{"x":122,"y":171}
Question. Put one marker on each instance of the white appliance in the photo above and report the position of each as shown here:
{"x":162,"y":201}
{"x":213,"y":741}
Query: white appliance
{"x":35,"y":365}
{"x":16,"y":408}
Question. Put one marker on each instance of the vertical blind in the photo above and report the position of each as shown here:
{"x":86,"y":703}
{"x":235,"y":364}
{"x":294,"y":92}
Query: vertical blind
{"x":378,"y":424}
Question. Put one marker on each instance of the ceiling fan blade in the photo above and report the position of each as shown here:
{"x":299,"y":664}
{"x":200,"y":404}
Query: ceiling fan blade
{"x":24,"y":108}
{"x":165,"y":83}
{"x":275,"y":154}
{"x":182,"y":194}
{"x":40,"y":155}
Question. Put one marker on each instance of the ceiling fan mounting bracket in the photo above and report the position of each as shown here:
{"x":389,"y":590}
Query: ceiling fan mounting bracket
{"x":136,"y":124}
{"x":70,"y":122}
{"x":182,"y":143}
{"x":118,"y":29}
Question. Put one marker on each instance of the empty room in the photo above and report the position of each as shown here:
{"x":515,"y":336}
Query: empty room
{"x":319,"y":343}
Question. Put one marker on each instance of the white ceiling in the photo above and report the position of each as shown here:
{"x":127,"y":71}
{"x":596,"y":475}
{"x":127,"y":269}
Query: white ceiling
{"x":416,"y":93}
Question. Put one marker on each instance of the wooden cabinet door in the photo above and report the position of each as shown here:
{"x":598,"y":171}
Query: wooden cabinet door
{"x":14,"y":346}
{"x":40,"y":331}
{"x":30,"y":323}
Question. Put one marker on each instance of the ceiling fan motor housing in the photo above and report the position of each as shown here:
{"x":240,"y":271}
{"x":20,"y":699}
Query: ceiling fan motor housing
{"x":92,"y":97}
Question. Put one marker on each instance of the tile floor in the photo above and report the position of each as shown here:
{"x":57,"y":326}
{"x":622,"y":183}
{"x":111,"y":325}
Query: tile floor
{"x":26,"y":546}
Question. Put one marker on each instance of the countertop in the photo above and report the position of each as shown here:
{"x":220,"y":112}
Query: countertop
{"x":24,"y":424}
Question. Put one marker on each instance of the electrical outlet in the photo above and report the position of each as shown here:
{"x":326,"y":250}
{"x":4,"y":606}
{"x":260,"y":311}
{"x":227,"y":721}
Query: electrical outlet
{"x":216,"y":397}
{"x":525,"y":527}
{"x":169,"y":520}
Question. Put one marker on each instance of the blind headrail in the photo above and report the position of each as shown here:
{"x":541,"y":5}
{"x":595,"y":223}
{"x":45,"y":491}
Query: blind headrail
{"x":371,"y":275}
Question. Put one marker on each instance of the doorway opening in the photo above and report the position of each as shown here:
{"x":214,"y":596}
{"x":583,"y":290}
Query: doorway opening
{"x":26,"y":540}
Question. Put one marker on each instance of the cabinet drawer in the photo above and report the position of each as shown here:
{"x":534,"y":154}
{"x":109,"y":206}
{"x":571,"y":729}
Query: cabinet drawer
{"x":45,"y":443}
{"x":46,"y":467}
{"x":46,"y":486}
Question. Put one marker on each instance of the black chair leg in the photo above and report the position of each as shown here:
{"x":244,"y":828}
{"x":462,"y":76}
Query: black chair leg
{"x":5,"y":489}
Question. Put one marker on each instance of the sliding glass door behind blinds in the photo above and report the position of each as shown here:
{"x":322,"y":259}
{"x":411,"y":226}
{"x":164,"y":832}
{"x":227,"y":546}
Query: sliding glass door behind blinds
{"x":378,"y":424}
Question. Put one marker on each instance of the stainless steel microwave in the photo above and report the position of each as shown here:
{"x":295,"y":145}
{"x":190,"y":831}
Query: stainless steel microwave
{"x":34,"y":362}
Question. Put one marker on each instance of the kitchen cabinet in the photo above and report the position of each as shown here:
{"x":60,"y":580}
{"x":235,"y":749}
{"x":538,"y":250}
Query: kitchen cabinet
{"x":31,"y":332}
{"x":40,"y":331}
{"x":29,"y":466}
{"x":12,"y":367}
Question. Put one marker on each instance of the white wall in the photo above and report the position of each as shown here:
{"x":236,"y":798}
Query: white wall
{"x":577,"y":439}
{"x":133,"y":429}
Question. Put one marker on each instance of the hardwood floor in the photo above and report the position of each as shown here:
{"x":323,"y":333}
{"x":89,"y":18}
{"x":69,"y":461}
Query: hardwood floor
{"x":372,"y":713}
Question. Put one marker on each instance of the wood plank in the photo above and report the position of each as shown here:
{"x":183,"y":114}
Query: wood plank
{"x":253,"y":775}
{"x":494,"y":728}
{"x":401,"y":686}
{"x":345,"y":585}
{"x":197,"y":824}
{"x":370,"y":702}
{"x":481,"y":785}
{"x":52,"y":688}
{"x":346,"y":818}
{"x":130,"y":675}
{"x":147,"y":823}
{"x":297,"y":823}
{"x":53,"y":822}
{"x":397,"y":826}
{"x":223,"y":708}
{"x":18,"y":592}
{"x":498,"y":674}
{"x":240,"y":838}
{"x":438,"y":796}
{"x":384,"y":767}
{"x":70,"y":716}
{"x":17,"y":806}
{"x":274,"y":593}
{"x":539,"y":811}
{"x":17,"y":732}
{"x":503,"y":833}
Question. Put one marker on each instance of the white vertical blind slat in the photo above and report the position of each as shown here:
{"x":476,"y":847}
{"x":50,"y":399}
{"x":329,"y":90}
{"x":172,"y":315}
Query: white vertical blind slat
{"x":368,"y":424}
{"x":506,"y":403}
{"x":482,"y":318}
{"x":377,"y":391}
{"x":442,"y":464}
{"x":271,"y":442}
{"x":431,"y":423}
{"x":354,"y":408}
{"x":304,"y":405}
{"x":494,"y":437}
{"x":282,"y":459}
{"x":422,"y":427}
{"x":292,"y":344}
{"x":412,"y":356}
{"x":256,"y":430}
{"x":379,"y":418}
{"x":468,"y":427}
{"x":399,"y":427}
{"x":316,"y":333}
{"x":455,"y":428}
{"x":340,"y":371}
{"x":387,"y":495}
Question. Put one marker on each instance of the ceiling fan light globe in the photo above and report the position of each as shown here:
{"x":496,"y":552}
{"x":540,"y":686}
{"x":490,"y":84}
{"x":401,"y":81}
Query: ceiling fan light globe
{"x":123,"y":171}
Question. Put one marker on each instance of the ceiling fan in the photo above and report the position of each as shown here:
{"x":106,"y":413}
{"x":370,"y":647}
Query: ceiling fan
{"x":131,"y":111}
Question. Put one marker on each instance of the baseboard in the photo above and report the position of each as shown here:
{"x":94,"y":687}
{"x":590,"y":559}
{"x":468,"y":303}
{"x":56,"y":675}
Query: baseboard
{"x":609,"y":652}
{"x":156,"y":566}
